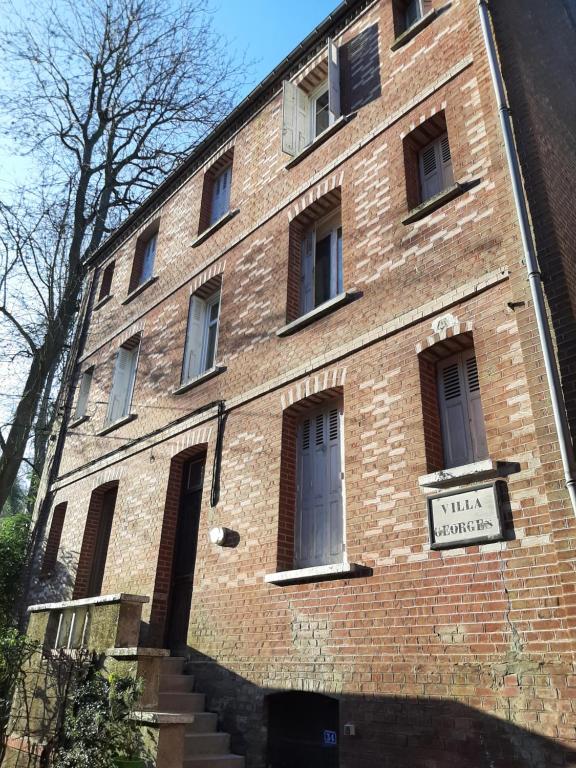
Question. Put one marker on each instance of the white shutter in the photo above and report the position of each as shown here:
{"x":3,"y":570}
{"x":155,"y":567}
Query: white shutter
{"x":132,"y":363}
{"x":289,"y":118}
{"x":122,"y":383}
{"x":83,"y":393}
{"x":302,"y":119}
{"x":307,"y":272}
{"x":333,"y":80}
{"x":446,"y":162}
{"x":194,"y":339}
{"x":430,"y":177}
{"x":335,"y":539}
{"x":319,"y":525}
{"x":148,"y":260}
{"x":476,"y":414}
{"x":454,"y":413}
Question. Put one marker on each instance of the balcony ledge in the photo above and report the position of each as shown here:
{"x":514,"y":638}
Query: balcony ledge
{"x":413,"y":30}
{"x":121,"y":597}
{"x":315,"y":314}
{"x":214,"y":227}
{"x":200,"y":379}
{"x":320,"y":139}
{"x":117,"y":424}
{"x":139,"y":288}
{"x":318,"y":573}
{"x":468,"y":473}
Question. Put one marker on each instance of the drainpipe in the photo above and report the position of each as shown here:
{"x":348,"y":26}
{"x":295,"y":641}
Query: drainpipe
{"x":529,"y":248}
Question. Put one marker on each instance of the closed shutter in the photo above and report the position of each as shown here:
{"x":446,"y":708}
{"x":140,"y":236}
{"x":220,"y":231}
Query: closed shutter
{"x":463,"y":430}
{"x":430,"y":175}
{"x":122,"y":384}
{"x":289,"y":117}
{"x":333,"y":80}
{"x":454,"y":413}
{"x":307,"y":272}
{"x":148,"y":260}
{"x":477,"y":425}
{"x":194,"y":339}
{"x":319,"y":524}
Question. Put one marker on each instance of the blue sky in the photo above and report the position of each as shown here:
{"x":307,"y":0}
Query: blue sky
{"x":268,"y":29}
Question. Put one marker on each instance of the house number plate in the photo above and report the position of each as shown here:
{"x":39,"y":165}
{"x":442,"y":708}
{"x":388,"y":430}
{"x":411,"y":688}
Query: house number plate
{"x":465,"y":517}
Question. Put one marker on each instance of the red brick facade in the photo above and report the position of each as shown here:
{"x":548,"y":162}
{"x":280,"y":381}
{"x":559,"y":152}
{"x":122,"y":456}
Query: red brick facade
{"x":458,"y":657}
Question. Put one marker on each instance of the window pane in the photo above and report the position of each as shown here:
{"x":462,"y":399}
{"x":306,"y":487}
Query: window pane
{"x":322,"y":271}
{"x":321,"y":113}
{"x":210,"y":346}
{"x":340,"y":278}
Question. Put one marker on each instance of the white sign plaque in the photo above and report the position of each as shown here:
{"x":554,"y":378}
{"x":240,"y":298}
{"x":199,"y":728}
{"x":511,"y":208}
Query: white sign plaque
{"x":465,"y":517}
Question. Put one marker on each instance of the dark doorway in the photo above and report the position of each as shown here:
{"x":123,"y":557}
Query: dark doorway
{"x":303,"y":731}
{"x":184,"y":559}
{"x":108,"y":502}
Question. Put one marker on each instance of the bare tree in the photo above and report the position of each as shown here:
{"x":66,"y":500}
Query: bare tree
{"x":107,"y":96}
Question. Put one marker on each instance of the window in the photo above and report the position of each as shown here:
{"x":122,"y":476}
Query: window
{"x":123,"y":381}
{"x":318,"y":528}
{"x":83,"y":394}
{"x":461,"y":415}
{"x":53,"y":541}
{"x":412,"y":12}
{"x":106,"y":282}
{"x":321,"y":263}
{"x":428,"y":161}
{"x":221,"y":194}
{"x":143,"y":265}
{"x":309,"y":108}
{"x":216,"y":191}
{"x":436,"y":172}
{"x":201,"y":335}
{"x":408,"y":12}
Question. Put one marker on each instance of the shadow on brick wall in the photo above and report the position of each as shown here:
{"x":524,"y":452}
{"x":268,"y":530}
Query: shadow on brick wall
{"x":390,"y":731}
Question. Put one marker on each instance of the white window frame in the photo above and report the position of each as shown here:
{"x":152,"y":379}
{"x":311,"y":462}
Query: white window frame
{"x":442,"y":178}
{"x":298,"y":106}
{"x":148,"y":259}
{"x":329,"y":225}
{"x":83,"y":393}
{"x":220,"y":203}
{"x":303,"y":558}
{"x":198,"y":343}
{"x":124,"y":398}
{"x":418,"y":7}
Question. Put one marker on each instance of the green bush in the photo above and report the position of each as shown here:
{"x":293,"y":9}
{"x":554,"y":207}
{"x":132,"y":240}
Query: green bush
{"x":14,"y":533}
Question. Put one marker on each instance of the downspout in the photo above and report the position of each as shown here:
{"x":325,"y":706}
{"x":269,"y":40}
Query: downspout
{"x":529,"y":248}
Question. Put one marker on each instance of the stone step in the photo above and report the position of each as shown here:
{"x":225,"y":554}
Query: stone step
{"x":204,"y":722}
{"x":214,"y":761}
{"x":181,"y":702}
{"x":176,"y":683}
{"x":173,"y":665}
{"x":196,"y":744}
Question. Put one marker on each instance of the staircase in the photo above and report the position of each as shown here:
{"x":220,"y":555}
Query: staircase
{"x":204,"y":745}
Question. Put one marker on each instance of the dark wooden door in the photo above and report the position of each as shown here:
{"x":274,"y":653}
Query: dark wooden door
{"x":102,"y":542}
{"x":184,"y":560}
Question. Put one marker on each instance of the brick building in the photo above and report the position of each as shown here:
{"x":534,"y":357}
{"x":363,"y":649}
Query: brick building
{"x":311,"y":421}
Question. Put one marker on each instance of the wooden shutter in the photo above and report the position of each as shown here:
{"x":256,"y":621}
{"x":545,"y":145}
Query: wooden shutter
{"x":83,"y":393}
{"x":148,"y":260}
{"x":289,"y":118}
{"x":194,"y":339}
{"x":446,"y":162}
{"x":319,"y":524}
{"x":307,"y":272}
{"x":334,"y":105}
{"x":476,"y":414}
{"x":430,"y":177}
{"x":456,"y":436}
{"x":303,"y":119}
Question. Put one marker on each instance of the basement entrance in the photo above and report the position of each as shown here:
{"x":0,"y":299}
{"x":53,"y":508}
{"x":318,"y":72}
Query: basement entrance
{"x":303,"y":731}
{"x":184,"y":560}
